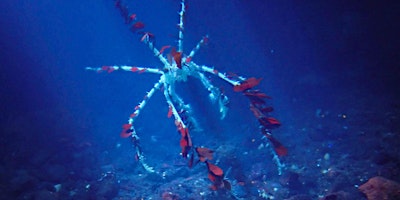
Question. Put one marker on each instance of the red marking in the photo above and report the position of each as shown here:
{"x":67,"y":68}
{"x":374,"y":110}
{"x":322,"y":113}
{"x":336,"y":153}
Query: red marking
{"x":147,"y":36}
{"x":169,"y":57}
{"x":137,"y":107}
{"x":231,"y":75}
{"x":178,"y":124}
{"x":247,"y":84}
{"x":214,"y":187}
{"x":269,"y":122}
{"x":215,"y":71}
{"x":204,"y":154}
{"x":215,"y":170}
{"x":137,"y":26}
{"x":205,"y":40}
{"x":163,"y":48}
{"x":132,"y":17}
{"x":267,"y":109}
{"x":183,"y":143}
{"x":134,"y":69}
{"x":133,"y":115}
{"x":169,"y":112}
{"x":186,"y":141}
{"x":216,"y":176}
{"x":177,"y":56}
{"x":126,"y":126}
{"x":142,"y":70}
{"x":144,"y":37}
{"x":278,"y":147}
{"x":273,"y":121}
{"x":124,"y":134}
{"x":178,"y":59}
{"x":211,"y":177}
{"x":183,"y":131}
{"x":256,"y":93}
{"x":188,"y":59}
{"x":281,"y":150}
{"x":110,"y":69}
{"x":256,"y":111}
{"x":105,"y":68}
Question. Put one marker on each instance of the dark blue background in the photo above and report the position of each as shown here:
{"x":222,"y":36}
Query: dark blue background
{"x":331,"y":55}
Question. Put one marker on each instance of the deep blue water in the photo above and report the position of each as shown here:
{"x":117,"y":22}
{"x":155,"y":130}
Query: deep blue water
{"x":332,"y":68}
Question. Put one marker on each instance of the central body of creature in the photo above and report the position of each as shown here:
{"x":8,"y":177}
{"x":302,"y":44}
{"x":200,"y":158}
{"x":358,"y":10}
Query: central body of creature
{"x":177,"y":67}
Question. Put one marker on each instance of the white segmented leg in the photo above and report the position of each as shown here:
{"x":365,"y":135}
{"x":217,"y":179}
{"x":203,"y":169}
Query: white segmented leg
{"x":157,"y":53}
{"x":275,"y":158}
{"x":132,"y":118}
{"x":196,"y":48}
{"x":142,"y":104}
{"x":110,"y":69}
{"x":215,"y":94}
{"x":215,"y":72}
{"x":171,"y":105}
{"x":181,"y":26}
{"x":171,"y":96}
{"x":141,"y":158}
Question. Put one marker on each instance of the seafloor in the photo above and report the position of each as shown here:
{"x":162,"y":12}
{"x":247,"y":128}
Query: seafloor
{"x":336,"y":155}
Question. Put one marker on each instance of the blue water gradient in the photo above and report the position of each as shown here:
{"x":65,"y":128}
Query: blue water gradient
{"x":332,"y":68}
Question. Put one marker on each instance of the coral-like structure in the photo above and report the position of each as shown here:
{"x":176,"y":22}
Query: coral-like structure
{"x":378,"y":188}
{"x":177,"y":66}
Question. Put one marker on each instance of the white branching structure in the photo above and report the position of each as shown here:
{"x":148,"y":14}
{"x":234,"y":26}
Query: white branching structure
{"x":177,"y":67}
